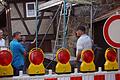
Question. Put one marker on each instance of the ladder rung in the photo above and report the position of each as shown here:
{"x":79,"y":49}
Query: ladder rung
{"x":63,"y":14}
{"x":61,"y":31}
{"x":60,"y":38}
{"x":59,"y":45}
{"x":65,"y":38}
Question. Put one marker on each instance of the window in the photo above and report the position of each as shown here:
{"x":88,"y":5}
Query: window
{"x":30,"y":9}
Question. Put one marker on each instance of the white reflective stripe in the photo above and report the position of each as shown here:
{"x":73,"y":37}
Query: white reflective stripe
{"x":35,"y":79}
{"x":88,"y":77}
{"x":109,"y":76}
{"x":64,"y":78}
{"x":60,"y":78}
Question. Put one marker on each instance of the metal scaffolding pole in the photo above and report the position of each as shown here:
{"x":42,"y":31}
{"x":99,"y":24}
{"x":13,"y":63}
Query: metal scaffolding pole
{"x":64,"y":26}
{"x":36,"y":24}
{"x":91,"y":18}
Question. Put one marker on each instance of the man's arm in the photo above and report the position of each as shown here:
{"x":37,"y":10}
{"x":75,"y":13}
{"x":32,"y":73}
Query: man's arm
{"x":22,"y":49}
{"x":33,"y":41}
{"x":79,"y":55}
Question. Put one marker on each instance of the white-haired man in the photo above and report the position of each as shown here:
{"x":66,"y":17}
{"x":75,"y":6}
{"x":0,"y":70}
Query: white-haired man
{"x":2,"y":41}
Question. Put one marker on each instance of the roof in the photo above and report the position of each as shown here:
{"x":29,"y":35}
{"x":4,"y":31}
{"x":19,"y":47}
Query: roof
{"x":108,"y":14}
{"x":10,"y":1}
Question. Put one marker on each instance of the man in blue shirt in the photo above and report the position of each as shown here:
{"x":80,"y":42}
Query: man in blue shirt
{"x":18,"y":52}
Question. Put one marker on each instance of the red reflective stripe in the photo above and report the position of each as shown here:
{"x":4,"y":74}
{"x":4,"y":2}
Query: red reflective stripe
{"x":99,"y":77}
{"x":75,"y":78}
{"x":51,"y":79}
{"x":117,"y":76}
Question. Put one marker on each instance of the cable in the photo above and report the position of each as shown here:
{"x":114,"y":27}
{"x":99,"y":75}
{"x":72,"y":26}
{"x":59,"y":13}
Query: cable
{"x":47,"y":32}
{"x":50,"y":62}
{"x":65,"y":32}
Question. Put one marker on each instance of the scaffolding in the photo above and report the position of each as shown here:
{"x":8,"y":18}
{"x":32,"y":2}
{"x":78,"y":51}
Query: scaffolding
{"x":75,"y":74}
{"x":66,"y":4}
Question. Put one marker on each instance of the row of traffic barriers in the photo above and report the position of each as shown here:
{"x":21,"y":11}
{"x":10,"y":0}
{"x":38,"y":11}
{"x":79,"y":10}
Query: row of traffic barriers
{"x":113,"y":75}
{"x":36,"y":58}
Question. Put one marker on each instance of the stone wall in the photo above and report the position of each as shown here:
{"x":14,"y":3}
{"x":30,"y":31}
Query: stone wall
{"x":72,"y":26}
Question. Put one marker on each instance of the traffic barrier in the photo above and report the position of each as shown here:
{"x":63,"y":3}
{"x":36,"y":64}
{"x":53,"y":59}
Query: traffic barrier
{"x":36,"y":58}
{"x":5,"y":62}
{"x":111,"y":59}
{"x":63,"y":58}
{"x":113,"y":75}
{"x":87,"y":64}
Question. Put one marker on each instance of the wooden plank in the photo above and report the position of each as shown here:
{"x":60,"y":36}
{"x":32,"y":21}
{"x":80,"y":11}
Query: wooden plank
{"x":106,"y":15}
{"x":22,"y":18}
{"x":49,"y":4}
{"x":40,"y":36}
{"x":8,"y":23}
{"x":32,"y":18}
{"x":19,"y":1}
{"x":3,"y":18}
{"x":53,"y":3}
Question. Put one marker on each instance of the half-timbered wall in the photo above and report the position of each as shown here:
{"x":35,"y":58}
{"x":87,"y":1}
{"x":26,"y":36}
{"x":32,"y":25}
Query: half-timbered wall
{"x":18,"y":25}
{"x":27,"y":25}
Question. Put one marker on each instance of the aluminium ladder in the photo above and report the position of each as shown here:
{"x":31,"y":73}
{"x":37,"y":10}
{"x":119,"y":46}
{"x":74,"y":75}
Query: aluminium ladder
{"x":61,"y":30}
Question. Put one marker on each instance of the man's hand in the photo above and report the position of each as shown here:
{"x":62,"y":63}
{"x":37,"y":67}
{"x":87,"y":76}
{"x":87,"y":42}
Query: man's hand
{"x":79,"y":55}
{"x":25,"y":54}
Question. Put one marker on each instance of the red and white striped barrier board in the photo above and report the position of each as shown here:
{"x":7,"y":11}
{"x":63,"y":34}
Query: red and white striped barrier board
{"x":114,"y":75}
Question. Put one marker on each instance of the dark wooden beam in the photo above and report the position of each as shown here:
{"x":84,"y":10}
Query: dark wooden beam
{"x":32,"y":18}
{"x":22,"y":18}
{"x":3,"y":18}
{"x":40,"y":36}
{"x":8,"y":23}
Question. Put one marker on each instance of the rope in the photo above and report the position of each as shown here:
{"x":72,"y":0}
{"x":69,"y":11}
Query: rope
{"x":65,"y":33}
{"x":49,"y":26}
{"x":41,"y":44}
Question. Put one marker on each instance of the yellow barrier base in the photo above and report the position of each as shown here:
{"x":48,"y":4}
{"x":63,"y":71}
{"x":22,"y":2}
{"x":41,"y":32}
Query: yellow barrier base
{"x":87,"y":67}
{"x":6,"y":70}
{"x":111,"y":65}
{"x":36,"y":69}
{"x":63,"y":68}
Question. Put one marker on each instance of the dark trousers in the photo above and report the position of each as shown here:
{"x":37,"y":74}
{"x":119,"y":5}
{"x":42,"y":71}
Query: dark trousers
{"x":26,"y":65}
{"x":16,"y":70}
{"x":75,"y":65}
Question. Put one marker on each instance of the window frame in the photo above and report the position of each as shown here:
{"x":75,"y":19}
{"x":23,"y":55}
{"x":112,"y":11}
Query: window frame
{"x":27,"y":13}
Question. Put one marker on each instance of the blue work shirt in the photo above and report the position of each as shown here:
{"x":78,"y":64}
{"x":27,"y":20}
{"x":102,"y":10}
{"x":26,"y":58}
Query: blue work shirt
{"x":18,"y":53}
